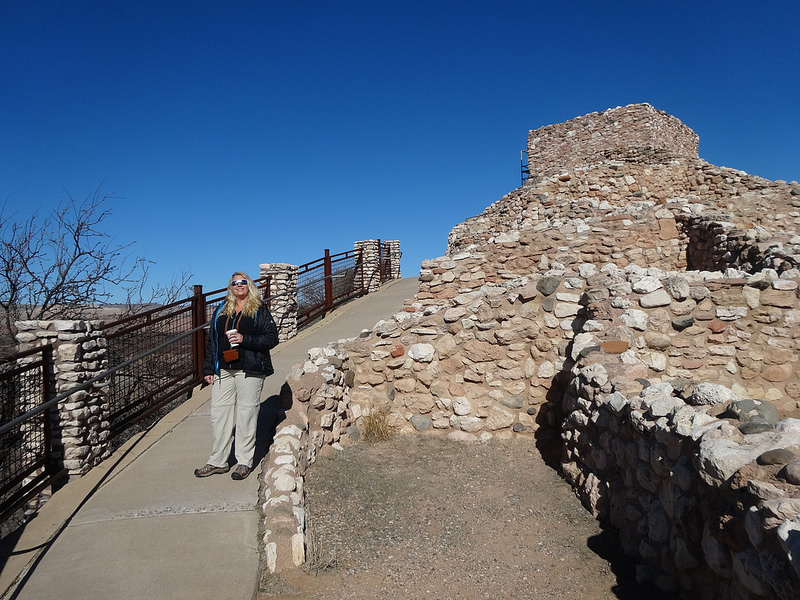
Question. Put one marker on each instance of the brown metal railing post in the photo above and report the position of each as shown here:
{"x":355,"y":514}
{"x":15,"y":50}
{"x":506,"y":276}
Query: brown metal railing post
{"x":328,"y":272}
{"x":199,"y":337}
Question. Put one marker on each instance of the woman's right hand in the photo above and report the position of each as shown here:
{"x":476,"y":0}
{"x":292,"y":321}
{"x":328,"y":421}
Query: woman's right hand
{"x":209,"y":379}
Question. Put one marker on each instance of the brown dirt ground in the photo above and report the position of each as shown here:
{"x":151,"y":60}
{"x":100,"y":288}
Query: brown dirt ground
{"x":426,"y":517}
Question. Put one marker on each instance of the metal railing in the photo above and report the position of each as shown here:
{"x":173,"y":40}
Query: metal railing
{"x":328,"y":282}
{"x":28,"y":463}
{"x":385,"y":261}
{"x":154,"y":358}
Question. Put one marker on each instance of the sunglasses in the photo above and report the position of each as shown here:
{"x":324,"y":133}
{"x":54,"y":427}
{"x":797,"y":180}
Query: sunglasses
{"x":238,"y":282}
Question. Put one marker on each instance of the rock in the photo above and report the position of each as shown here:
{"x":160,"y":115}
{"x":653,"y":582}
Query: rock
{"x":677,"y":287}
{"x":596,"y":295}
{"x":681,"y":323}
{"x":717,"y":325}
{"x":789,"y":535}
{"x":778,"y":373}
{"x":513,"y":402}
{"x":791,"y":473}
{"x":548,"y":285}
{"x":647,"y":285}
{"x":720,"y":458}
{"x":635,"y":319}
{"x":753,"y":410}
{"x":384,"y":328}
{"x":451,"y":315}
{"x":498,"y":419}
{"x":462,"y":436}
{"x":421,"y":422}
{"x":461,"y":406}
{"x":466,"y":423}
{"x":657,"y":341}
{"x":478,"y":352}
{"x":615,"y":346}
{"x":779,"y":456}
{"x":779,"y":298}
{"x":353,"y":432}
{"x":710,"y":394}
{"x":655,"y":299}
{"x":422,"y":352}
{"x":527,"y":292}
{"x":566,"y":309}
{"x":754,"y":427}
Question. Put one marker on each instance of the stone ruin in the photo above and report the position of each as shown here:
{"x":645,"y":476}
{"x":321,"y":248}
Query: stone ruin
{"x":631,"y":302}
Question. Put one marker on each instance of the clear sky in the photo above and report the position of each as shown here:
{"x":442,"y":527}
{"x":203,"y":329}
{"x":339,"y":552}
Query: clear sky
{"x":237,"y":133}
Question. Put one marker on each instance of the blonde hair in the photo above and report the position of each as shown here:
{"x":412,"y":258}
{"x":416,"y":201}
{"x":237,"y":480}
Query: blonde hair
{"x":251,"y":303}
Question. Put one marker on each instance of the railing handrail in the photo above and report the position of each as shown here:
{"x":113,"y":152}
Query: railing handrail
{"x":4,"y":428}
{"x":307,"y":266}
{"x":89,"y":382}
{"x":148,"y":313}
{"x":106,"y":373}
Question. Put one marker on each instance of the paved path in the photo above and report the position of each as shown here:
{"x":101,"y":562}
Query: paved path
{"x":141,"y":526}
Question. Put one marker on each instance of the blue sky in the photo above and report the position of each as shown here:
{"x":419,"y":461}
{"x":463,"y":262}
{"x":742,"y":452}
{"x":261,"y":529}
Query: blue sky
{"x":236,"y":133}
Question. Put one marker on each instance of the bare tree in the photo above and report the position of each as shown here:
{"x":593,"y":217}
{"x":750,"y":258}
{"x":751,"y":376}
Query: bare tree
{"x":63,"y":265}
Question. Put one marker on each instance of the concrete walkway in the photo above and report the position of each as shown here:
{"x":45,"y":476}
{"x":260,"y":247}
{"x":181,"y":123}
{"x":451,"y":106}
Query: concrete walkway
{"x":141,"y":526}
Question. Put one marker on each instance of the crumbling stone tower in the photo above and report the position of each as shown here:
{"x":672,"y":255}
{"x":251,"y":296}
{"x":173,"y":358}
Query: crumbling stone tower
{"x":637,"y":133}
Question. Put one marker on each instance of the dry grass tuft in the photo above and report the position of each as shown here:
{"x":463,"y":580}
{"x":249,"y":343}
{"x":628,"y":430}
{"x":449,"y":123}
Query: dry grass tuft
{"x":375,"y":426}
{"x":318,"y":558}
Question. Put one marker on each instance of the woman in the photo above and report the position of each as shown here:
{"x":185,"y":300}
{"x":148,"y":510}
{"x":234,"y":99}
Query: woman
{"x":237,"y":360}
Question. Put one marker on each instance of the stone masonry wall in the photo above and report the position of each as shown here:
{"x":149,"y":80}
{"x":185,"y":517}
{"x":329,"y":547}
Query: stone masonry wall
{"x":675,"y":430}
{"x":635,"y":133}
{"x":487,"y":365}
{"x":625,"y":216}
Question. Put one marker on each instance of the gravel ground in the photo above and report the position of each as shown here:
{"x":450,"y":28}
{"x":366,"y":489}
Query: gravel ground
{"x":426,"y":517}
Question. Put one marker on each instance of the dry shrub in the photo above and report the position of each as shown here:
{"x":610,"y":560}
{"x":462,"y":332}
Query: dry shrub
{"x":375,"y":426}
{"x":318,"y":558}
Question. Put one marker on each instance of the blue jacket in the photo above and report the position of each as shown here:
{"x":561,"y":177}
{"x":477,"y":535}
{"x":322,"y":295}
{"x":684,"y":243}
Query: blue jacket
{"x":254,"y":358}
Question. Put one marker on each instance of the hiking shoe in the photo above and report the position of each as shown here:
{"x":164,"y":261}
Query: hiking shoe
{"x":240,"y":472}
{"x":210,"y":470}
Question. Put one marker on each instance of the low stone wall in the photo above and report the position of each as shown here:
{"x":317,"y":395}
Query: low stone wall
{"x":701,"y":479}
{"x":317,"y":416}
{"x":627,"y":346}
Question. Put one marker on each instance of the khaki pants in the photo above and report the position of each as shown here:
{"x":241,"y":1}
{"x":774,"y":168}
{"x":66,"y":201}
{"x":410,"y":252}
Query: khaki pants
{"x":235,"y":401}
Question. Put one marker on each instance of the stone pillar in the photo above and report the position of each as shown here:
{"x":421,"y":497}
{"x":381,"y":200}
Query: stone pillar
{"x":371,"y":261}
{"x":79,"y":353}
{"x":283,"y":297}
{"x":394,"y":257}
